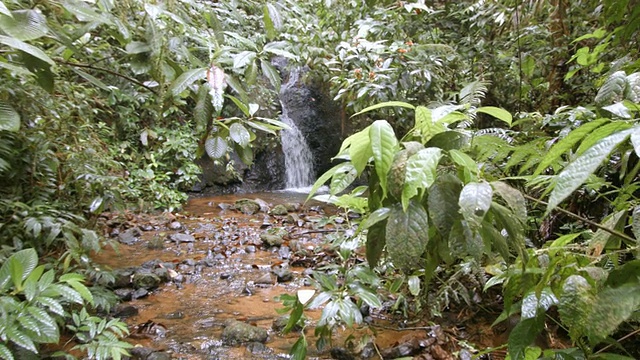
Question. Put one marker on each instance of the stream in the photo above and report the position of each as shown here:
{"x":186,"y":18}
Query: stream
{"x":212,"y":265}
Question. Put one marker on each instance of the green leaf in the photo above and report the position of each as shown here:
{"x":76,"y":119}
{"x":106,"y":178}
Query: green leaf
{"x":375,"y":217}
{"x":375,"y":243}
{"x":29,"y":49}
{"x":360,"y":150}
{"x":600,"y":133}
{"x":523,"y":335}
{"x":613,"y":88}
{"x":496,"y":112}
{"x":216,"y":147}
{"x":635,"y":141}
{"x":53,"y":305}
{"x":268,"y":23}
{"x":68,"y":293}
{"x":21,"y":339}
{"x":86,"y":13}
{"x":342,"y":178}
{"x":449,"y":140}
{"x":243,"y":58}
{"x":271,"y":73}
{"x":632,"y":91}
{"x":383,"y":145}
{"x":239,"y":134}
{"x":442,"y":204}
{"x":425,"y":124}
{"x":464,"y":160}
{"x":18,"y":267}
{"x":385,"y":104}
{"x":137,"y":47}
{"x":420,"y":173}
{"x":92,"y":79}
{"x":612,"y":306}
{"x":561,"y":242}
{"x":577,"y":172}
{"x":475,"y":201}
{"x":618,"y":109}
{"x":24,"y":25}
{"x":407,"y":236}
{"x":9,"y":118}
{"x":414,"y":285}
{"x":601,"y":238}
{"x":534,"y":305}
{"x":299,"y":349}
{"x":575,"y":303}
{"x":369,"y":298}
{"x":567,"y":143}
{"x":513,"y":198}
{"x":5,"y":353}
{"x":324,"y":178}
{"x":4,"y":10}
{"x":186,"y":79}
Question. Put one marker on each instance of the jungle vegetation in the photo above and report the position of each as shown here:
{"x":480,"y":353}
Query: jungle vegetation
{"x":499,"y":139}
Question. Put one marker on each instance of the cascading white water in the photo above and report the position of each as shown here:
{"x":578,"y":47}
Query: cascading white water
{"x":297,"y":154}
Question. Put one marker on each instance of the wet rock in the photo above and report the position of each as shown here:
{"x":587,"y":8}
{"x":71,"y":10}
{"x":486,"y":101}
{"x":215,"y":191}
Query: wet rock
{"x":125,"y":311}
{"x":264,"y":206}
{"x":174,"y":315}
{"x":292,"y":207}
{"x":182,"y":238}
{"x":257,"y":348}
{"x":283,"y":274}
{"x":271,"y":239}
{"x":146,"y":280}
{"x":293,"y":219}
{"x":225,"y":276}
{"x":368,"y":351}
{"x":250,"y":249}
{"x":159,"y":355}
{"x":162,"y":273}
{"x":265,"y":279}
{"x":175,"y":225}
{"x":130,"y":236}
{"x":156,"y":243}
{"x":279,"y":210}
{"x":237,"y":332}
{"x":281,"y":322}
{"x":140,"y":352}
{"x":139,"y":293}
{"x":247,"y":206}
{"x":225,"y":206}
{"x":146,"y":227}
{"x":123,"y":294}
{"x":122,"y":277}
{"x":340,"y":353}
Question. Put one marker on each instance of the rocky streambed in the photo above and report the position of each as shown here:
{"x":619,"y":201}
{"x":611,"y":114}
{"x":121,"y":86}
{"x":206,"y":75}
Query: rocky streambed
{"x":204,"y":283}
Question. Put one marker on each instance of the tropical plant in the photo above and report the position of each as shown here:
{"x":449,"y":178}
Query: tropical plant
{"x":33,"y":303}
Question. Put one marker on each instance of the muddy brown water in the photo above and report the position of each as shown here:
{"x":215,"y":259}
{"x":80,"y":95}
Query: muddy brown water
{"x":190,"y":314}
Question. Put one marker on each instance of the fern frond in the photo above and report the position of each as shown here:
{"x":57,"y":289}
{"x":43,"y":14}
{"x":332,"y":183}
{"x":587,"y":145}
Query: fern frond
{"x":474,"y":92}
{"x":504,"y":134}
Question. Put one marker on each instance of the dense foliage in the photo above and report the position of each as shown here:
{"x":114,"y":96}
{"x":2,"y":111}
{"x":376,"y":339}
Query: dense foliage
{"x":107,"y":104}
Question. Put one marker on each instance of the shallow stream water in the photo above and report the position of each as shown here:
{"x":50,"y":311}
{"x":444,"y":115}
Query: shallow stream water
{"x":185,"y":317}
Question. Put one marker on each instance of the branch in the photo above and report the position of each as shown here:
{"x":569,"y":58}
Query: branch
{"x":128,"y":78}
{"x":584,"y":220}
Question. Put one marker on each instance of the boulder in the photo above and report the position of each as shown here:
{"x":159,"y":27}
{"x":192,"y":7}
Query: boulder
{"x":247,"y":206}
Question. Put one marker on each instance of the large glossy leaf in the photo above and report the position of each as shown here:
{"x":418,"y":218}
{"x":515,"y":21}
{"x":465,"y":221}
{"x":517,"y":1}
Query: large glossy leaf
{"x":21,"y":339}
{"x":602,"y":239}
{"x":537,"y":304}
{"x":24,"y":25}
{"x":575,"y":303}
{"x":407,"y":236}
{"x":243,"y":58}
{"x":424,"y":123}
{"x":9,"y":118}
{"x":612,"y":306}
{"x":29,"y":49}
{"x":325,"y":177}
{"x":523,"y":335}
{"x":216,"y":147}
{"x":203,"y":111}
{"x":342,"y":178}
{"x":513,"y":198}
{"x":384,"y":145}
{"x":18,"y":267}
{"x":375,"y":217}
{"x":600,"y":133}
{"x":442,"y":205}
{"x":420,"y":173}
{"x":4,"y":351}
{"x":375,"y":243}
{"x":383,"y":105}
{"x":239,"y":134}
{"x":475,"y":201}
{"x":4,"y":10}
{"x":567,"y":143}
{"x":613,"y":88}
{"x":577,"y":172}
{"x":496,"y":112}
{"x":86,"y":13}
{"x":632,"y":91}
{"x":271,"y":73}
{"x":635,"y":226}
{"x":360,"y":150}
{"x":186,"y":79}
{"x":449,"y":140}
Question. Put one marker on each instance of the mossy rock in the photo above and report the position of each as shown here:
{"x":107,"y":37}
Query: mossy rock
{"x":247,"y":206}
{"x":279,"y":210}
{"x":237,"y":332}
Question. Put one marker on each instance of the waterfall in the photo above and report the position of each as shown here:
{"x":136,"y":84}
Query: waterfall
{"x":297,"y":154}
